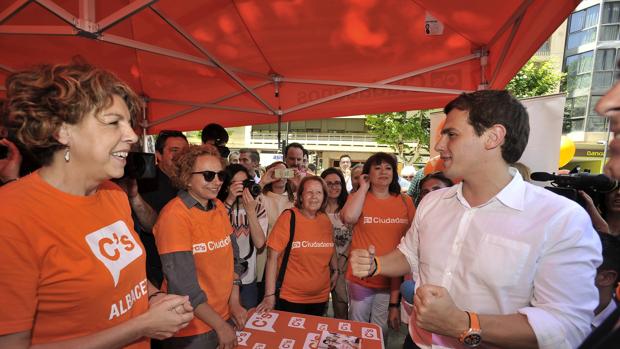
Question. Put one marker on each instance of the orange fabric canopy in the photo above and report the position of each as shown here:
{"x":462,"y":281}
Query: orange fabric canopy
{"x":248,"y":62}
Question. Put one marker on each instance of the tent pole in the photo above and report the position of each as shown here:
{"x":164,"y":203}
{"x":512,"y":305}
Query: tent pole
{"x":279,"y":131}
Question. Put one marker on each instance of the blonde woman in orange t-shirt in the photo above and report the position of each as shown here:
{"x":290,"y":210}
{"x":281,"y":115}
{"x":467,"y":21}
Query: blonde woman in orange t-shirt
{"x":72,"y":268}
{"x":381,"y":216}
{"x":193,"y":235}
{"x":307,"y":280}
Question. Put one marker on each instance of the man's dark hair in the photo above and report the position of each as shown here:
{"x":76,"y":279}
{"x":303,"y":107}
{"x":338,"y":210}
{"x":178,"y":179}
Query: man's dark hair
{"x":345,"y":156}
{"x":214,"y":132}
{"x":611,"y":254}
{"x":293,"y":145}
{"x":254,"y":155}
{"x":160,"y":143}
{"x":440,"y":176}
{"x":490,"y":107}
{"x":377,"y":159}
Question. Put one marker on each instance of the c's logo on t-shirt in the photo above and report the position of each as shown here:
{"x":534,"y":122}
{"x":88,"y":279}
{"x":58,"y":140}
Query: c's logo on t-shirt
{"x":115,"y":247}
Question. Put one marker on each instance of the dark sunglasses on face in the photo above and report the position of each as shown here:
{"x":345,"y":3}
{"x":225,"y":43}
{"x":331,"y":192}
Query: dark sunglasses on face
{"x":210,"y":175}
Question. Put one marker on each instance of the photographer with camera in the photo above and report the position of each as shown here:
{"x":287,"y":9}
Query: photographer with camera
{"x":148,"y":196}
{"x":241,"y":197}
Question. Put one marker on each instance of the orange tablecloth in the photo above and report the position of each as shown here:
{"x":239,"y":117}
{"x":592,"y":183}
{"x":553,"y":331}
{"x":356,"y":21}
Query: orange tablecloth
{"x":283,"y":330}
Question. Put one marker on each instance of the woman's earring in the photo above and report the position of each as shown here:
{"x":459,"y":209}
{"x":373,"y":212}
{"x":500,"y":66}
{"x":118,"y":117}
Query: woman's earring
{"x":67,"y":155}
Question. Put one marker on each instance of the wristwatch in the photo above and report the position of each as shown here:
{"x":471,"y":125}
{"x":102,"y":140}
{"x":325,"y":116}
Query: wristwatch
{"x":237,"y":282}
{"x":473,"y":336}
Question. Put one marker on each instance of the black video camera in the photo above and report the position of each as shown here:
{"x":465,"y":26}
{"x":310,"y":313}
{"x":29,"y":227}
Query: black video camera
{"x":568,"y":185}
{"x":254,"y":188}
{"x":140,"y":166}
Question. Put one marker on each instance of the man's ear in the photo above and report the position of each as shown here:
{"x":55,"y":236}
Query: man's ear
{"x":494,"y":136}
{"x":606,"y":278}
{"x":63,"y":135}
{"x":158,"y":157}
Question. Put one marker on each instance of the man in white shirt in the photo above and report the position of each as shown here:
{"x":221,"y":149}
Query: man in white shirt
{"x":497,"y":261}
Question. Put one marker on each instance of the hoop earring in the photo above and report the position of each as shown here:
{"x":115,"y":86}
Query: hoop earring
{"x":67,"y":155}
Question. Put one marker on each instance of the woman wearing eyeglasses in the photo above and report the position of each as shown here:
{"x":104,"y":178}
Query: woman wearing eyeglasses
{"x":249,"y":221}
{"x":336,"y":198}
{"x":193,"y":238}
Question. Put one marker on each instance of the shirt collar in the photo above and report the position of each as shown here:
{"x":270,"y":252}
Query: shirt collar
{"x":189,"y":201}
{"x":512,"y":195}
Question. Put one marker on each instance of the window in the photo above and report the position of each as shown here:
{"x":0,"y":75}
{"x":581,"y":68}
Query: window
{"x":545,"y":49}
{"x":577,"y":124}
{"x":582,"y":27}
{"x":611,"y":12}
{"x":579,"y":71}
{"x":596,"y":124}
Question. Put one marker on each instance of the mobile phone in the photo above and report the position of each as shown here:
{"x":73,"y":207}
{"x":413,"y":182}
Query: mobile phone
{"x":284,"y":173}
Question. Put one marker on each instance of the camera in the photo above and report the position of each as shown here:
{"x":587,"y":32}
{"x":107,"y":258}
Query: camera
{"x":140,"y":166}
{"x":253,"y":188}
{"x":567,"y":185}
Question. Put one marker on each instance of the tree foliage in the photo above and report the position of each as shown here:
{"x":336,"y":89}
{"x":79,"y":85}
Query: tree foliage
{"x":408,"y":133}
{"x":536,"y":78}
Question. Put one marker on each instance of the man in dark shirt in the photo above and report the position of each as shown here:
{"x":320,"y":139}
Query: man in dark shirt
{"x":153,"y":194}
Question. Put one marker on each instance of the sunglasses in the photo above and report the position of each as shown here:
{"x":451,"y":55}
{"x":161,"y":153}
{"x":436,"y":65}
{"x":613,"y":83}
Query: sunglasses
{"x":210,"y":175}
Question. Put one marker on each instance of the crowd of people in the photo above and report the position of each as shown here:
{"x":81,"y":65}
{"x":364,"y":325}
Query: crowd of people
{"x":91,"y":258}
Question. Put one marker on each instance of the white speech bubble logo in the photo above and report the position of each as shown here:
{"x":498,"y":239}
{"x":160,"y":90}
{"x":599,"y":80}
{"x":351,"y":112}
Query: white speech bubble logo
{"x":296,"y":244}
{"x":115,"y":247}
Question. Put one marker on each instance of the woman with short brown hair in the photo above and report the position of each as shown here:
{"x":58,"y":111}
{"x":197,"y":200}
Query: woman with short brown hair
{"x":72,"y":267}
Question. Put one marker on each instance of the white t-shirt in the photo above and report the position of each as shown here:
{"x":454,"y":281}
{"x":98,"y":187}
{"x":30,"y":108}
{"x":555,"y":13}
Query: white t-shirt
{"x":241,"y":227}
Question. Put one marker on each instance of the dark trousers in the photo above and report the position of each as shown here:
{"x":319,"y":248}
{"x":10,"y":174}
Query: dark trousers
{"x":317,"y":309}
{"x":409,"y":344}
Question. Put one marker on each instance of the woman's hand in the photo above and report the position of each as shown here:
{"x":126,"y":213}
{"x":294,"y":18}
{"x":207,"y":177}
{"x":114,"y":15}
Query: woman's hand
{"x":234,"y":191}
{"x":167,"y":316}
{"x":226,"y":336}
{"x":394,"y":318}
{"x":267,"y":304}
{"x":269,"y":177}
{"x":249,"y":202}
{"x":239,"y":315}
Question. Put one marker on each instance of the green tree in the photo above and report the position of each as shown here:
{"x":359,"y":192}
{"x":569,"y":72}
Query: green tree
{"x":536,"y":78}
{"x":397,"y":129}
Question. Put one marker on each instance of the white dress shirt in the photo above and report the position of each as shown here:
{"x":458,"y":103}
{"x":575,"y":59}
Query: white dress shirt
{"x":527,"y":250}
{"x":600,"y":317}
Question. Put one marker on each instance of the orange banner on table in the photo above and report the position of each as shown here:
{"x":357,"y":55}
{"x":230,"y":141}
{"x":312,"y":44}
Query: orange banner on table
{"x":284,"y":330}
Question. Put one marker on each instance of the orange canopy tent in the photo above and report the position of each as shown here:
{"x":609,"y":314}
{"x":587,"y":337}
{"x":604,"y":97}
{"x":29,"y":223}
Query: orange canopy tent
{"x":239,"y":62}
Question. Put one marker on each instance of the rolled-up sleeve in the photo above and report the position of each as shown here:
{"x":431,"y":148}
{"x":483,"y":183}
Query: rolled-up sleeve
{"x":564,"y":297}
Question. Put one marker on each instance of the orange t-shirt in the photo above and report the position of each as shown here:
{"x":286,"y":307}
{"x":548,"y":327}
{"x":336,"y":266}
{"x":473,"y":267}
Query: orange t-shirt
{"x":207,"y":235}
{"x":307,"y":273}
{"x":382,"y":223}
{"x":71,"y":265}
